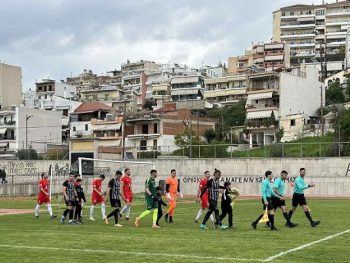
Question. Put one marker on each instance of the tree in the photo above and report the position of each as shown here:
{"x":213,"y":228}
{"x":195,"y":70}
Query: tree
{"x":334,"y":93}
{"x":342,"y":130}
{"x":149,"y":103}
{"x":29,"y":154}
{"x":209,"y":135}
{"x":348,"y":89}
{"x":228,"y":117}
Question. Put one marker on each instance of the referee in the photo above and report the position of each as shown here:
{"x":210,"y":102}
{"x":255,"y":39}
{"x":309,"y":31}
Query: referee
{"x":266,"y":193}
{"x":279,"y":189}
{"x":299,"y":198}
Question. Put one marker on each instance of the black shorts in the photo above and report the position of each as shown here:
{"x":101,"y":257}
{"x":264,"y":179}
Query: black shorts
{"x":70,"y":203}
{"x":276,"y":203}
{"x":213,"y":204}
{"x":269,"y":207}
{"x":298,"y":199}
{"x":115,"y":203}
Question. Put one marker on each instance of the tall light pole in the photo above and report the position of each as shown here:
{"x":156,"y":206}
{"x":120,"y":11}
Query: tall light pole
{"x":27,"y":118}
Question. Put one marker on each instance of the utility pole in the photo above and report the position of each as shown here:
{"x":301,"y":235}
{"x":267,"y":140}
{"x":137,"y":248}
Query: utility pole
{"x":123,"y":129}
{"x":322,"y":121}
{"x":27,"y":118}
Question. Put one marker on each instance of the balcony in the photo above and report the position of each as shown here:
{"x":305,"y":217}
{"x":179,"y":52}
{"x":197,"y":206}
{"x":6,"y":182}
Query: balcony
{"x":297,"y":16}
{"x":296,"y":35}
{"x":338,"y":12}
{"x":296,"y":25}
{"x":302,"y":44}
{"x":143,"y":136}
{"x":263,"y":86}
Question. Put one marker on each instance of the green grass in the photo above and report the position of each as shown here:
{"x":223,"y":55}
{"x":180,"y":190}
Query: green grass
{"x":29,"y":240}
{"x":307,"y":147}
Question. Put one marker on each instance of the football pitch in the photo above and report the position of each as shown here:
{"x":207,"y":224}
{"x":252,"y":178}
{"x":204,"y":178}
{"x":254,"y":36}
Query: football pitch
{"x":25,"y":239}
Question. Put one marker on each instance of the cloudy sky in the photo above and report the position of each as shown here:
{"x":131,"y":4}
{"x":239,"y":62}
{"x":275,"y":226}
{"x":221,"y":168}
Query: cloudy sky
{"x":59,"y":38}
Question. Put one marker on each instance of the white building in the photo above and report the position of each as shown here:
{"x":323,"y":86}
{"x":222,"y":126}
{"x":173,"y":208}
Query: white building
{"x":10,"y":85}
{"x":272,"y":96}
{"x":24,"y":128}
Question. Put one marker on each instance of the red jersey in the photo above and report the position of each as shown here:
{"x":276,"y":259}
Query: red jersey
{"x":126,"y":183}
{"x":97,"y":183}
{"x":202,"y":184}
{"x":44,"y":184}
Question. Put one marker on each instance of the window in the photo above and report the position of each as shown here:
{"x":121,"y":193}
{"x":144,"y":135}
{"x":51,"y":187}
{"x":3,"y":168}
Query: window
{"x":12,"y":135}
{"x":74,"y":128}
{"x":155,"y":128}
{"x":145,"y":129}
{"x":86,"y":127}
{"x":292,"y":122}
{"x":143,"y":145}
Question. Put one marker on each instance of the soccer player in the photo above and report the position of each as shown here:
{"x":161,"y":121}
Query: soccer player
{"x":97,"y":197}
{"x":172,"y":187}
{"x":299,"y":198}
{"x":126,"y":193}
{"x":81,"y":199}
{"x":70,"y":198}
{"x":279,"y":189}
{"x":44,"y":196}
{"x":204,"y":199}
{"x":151,"y":200}
{"x":113,"y":193}
{"x":213,"y":194}
{"x":266,"y":193}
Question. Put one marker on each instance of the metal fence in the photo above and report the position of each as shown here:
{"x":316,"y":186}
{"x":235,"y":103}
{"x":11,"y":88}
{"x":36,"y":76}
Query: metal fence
{"x":280,"y":150}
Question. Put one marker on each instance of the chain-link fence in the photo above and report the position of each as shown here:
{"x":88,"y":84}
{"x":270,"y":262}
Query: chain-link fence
{"x":280,"y":150}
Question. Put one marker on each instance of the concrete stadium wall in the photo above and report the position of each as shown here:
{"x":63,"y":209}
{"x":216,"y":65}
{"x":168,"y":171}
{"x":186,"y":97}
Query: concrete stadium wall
{"x":329,"y":174}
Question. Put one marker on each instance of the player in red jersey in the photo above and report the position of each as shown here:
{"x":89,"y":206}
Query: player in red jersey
{"x":97,"y":197}
{"x":126,"y":192}
{"x":204,"y":199}
{"x":44,"y":196}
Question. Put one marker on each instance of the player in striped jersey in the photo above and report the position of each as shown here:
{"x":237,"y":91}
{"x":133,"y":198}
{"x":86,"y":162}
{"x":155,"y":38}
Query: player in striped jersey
{"x":113,"y":193}
{"x":70,"y":197}
{"x":213,"y":194}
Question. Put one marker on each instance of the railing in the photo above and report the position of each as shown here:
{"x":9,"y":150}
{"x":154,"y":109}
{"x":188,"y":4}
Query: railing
{"x":274,"y":150}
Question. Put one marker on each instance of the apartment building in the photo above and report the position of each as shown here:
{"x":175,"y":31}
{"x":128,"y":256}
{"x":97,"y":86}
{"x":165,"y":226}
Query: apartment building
{"x":10,"y":85}
{"x":276,"y":95}
{"x":104,"y":93}
{"x":225,"y":90}
{"x":314,"y":30}
{"x":260,"y":57}
{"x":142,"y":66}
{"x":24,"y":128}
{"x":187,"y":88}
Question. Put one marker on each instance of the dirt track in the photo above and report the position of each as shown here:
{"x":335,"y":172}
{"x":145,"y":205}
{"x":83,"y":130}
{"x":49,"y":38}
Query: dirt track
{"x":15,"y":211}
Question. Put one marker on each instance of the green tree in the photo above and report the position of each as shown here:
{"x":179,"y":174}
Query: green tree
{"x":334,"y":94}
{"x":228,"y":117}
{"x":342,"y":131}
{"x":29,"y":154}
{"x":348,"y":89}
{"x":209,"y":135}
{"x":149,"y":103}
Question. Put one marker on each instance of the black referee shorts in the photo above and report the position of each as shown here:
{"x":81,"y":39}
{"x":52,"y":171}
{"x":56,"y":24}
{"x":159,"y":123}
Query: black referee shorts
{"x":269,"y":207}
{"x":298,"y":199}
{"x":276,"y":203}
{"x":116,"y":203}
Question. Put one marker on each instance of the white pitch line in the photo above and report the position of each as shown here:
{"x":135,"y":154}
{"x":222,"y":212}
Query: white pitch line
{"x":128,"y":253}
{"x":306,"y":245}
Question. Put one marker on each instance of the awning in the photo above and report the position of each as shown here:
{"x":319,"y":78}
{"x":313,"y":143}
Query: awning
{"x":107,"y":127}
{"x":275,"y":113}
{"x":4,"y":144}
{"x":189,"y":79}
{"x":179,"y":92}
{"x":3,"y":131}
{"x":259,"y":96}
{"x":259,"y":114}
